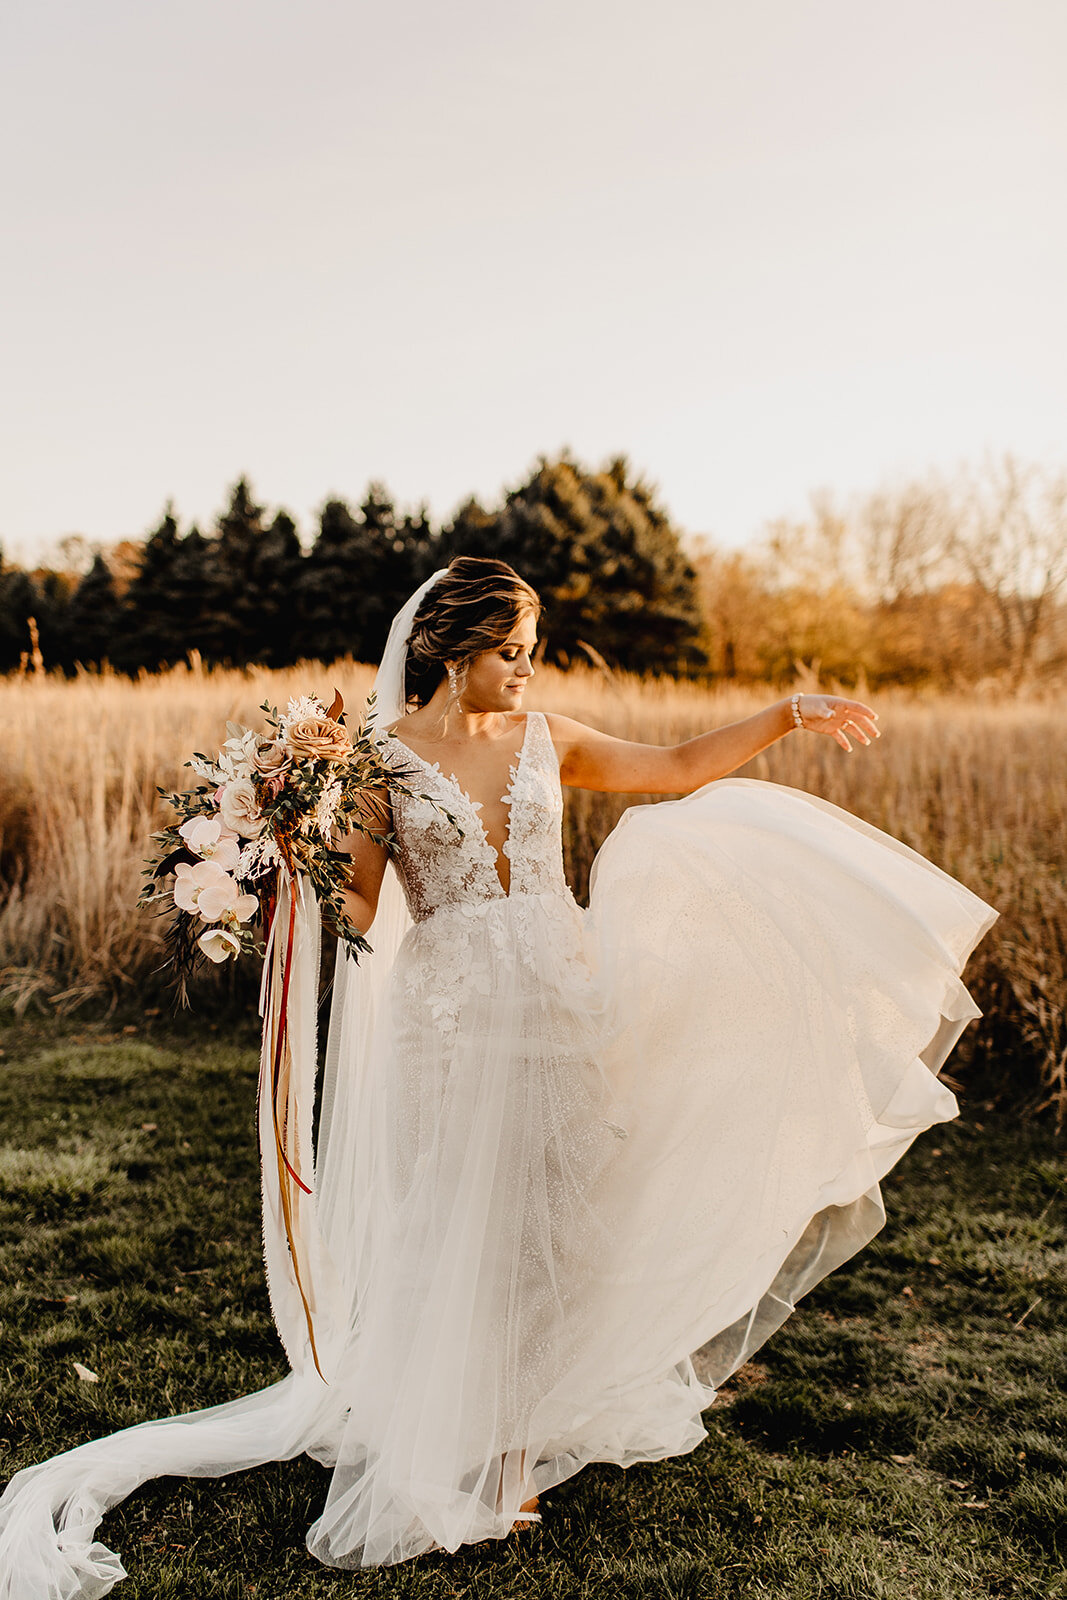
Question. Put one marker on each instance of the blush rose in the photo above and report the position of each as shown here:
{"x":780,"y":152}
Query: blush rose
{"x":271,"y":758}
{"x":239,"y":808}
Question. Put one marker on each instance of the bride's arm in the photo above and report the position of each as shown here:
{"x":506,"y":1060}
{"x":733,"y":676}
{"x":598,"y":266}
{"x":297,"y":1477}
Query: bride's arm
{"x":592,"y":760}
{"x":368,"y":859}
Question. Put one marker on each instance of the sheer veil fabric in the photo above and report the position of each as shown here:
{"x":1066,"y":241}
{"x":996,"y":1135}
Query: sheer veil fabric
{"x":49,"y":1513}
{"x":561,"y":1151}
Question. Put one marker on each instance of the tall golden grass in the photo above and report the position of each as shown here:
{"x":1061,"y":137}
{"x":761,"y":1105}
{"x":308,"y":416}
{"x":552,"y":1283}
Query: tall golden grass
{"x":978,"y":785}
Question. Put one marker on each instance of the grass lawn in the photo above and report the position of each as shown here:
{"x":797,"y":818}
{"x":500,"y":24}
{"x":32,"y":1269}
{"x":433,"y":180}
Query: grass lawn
{"x":904,"y":1435}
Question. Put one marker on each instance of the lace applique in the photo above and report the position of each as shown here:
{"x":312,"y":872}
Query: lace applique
{"x":445,"y":863}
{"x":534,"y":845}
{"x":453,"y":889}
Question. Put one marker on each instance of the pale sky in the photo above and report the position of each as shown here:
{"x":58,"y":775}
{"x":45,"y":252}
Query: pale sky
{"x":761,"y":246}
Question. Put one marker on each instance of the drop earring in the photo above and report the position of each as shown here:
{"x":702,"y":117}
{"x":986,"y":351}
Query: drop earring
{"x":453,"y":683}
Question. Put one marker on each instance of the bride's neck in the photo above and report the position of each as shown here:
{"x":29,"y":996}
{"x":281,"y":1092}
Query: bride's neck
{"x":438,"y":722}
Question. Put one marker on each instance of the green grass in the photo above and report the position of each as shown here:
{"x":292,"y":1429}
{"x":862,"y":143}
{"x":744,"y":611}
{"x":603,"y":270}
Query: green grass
{"x":905,"y":1435}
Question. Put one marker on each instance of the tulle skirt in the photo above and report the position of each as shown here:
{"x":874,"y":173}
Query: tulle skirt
{"x":590,"y":1144}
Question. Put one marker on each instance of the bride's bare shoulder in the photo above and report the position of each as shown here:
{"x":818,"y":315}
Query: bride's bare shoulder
{"x":565,"y":729}
{"x":406,"y":729}
{"x":567,"y":733}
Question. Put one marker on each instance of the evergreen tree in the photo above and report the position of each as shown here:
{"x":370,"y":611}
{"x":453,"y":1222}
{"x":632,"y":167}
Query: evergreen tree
{"x":406,"y":552}
{"x":53,"y":592}
{"x":383,"y":570}
{"x":603,"y":554}
{"x":329,"y":586}
{"x":280,"y":561}
{"x":607,"y":562}
{"x":19,"y":600}
{"x":189,"y":582}
{"x":147,"y":637}
{"x":162,"y":609}
{"x":358,"y":574}
{"x":231,"y":618}
{"x":93,"y":618}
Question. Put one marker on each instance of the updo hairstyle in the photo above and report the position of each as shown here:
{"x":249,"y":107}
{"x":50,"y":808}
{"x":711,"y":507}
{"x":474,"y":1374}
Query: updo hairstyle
{"x":476,"y":606}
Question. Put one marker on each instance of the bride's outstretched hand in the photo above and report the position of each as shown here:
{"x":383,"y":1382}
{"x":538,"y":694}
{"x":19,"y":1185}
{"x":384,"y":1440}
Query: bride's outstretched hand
{"x":829,"y":713}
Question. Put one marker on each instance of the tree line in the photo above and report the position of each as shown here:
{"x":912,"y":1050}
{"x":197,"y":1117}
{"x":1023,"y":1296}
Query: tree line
{"x":938,"y":581}
{"x":603,"y":554}
{"x":944,"y":580}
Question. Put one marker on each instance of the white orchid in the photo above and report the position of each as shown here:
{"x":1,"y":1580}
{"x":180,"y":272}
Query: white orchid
{"x":191,"y":882}
{"x":211,"y":893}
{"x":224,"y":902}
{"x":219,"y":944}
{"x":207,"y":838}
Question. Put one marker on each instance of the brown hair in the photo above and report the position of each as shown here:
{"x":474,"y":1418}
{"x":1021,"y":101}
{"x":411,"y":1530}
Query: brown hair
{"x":476,"y":606}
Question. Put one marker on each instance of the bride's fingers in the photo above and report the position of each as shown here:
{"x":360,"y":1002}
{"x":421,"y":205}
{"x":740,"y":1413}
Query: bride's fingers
{"x":844,"y":718}
{"x":842,"y":735}
{"x":854,"y":711}
{"x":863,"y":720}
{"x":852,"y":714}
{"x":862,"y":728}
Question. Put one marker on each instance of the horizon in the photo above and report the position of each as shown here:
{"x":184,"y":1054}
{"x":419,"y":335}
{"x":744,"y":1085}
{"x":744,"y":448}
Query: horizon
{"x":764,"y":255}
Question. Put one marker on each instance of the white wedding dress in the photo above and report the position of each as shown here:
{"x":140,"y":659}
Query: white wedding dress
{"x":583,"y":1146}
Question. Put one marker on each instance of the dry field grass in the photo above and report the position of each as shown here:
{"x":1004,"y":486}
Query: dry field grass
{"x":977,"y":784}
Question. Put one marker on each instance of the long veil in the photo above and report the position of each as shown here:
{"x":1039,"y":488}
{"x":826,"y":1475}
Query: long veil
{"x":49,"y":1513}
{"x":342,"y":1158}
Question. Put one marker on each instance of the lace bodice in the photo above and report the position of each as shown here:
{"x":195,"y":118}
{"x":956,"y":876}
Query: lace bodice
{"x":445,"y":862}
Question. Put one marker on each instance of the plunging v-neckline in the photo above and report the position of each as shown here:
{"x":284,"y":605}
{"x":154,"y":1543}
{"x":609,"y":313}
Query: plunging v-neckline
{"x":475,"y":806}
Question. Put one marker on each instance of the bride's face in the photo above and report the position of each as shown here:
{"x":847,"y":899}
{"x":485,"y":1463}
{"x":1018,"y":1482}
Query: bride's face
{"x":496,"y":678}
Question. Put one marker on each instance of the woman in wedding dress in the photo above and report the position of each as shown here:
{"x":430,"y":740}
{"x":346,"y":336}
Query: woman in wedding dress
{"x":561,"y":1151}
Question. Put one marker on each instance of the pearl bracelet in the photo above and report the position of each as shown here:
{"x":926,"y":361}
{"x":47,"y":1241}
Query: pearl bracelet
{"x":798,"y":720}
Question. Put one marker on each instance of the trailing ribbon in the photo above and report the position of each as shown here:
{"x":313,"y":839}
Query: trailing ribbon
{"x":291,"y":1246}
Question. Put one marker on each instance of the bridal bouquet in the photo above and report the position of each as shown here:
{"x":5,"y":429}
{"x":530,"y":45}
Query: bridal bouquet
{"x":257,"y":833}
{"x":273,"y":801}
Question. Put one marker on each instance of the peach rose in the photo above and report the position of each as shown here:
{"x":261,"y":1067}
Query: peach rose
{"x":318,"y":739}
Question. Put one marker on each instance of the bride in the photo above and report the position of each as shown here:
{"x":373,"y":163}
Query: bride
{"x":561,"y":1151}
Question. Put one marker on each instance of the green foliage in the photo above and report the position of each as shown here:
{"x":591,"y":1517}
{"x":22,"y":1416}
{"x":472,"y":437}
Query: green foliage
{"x":608,"y":564}
{"x":300,"y":807}
{"x":929,"y":583}
{"x":357,"y":575}
{"x":162,"y":614}
{"x":92,"y":618}
{"x":20,"y":599}
{"x":902,"y":1436}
